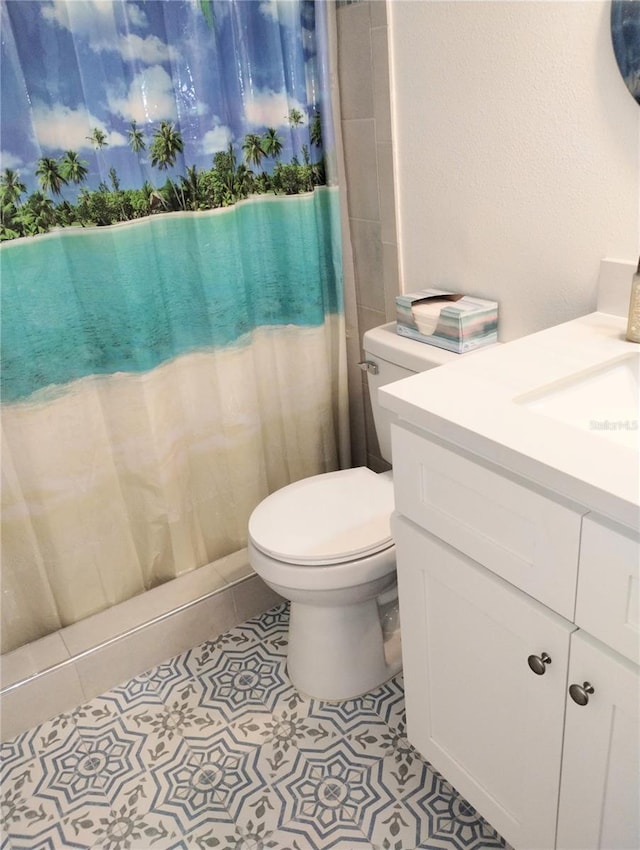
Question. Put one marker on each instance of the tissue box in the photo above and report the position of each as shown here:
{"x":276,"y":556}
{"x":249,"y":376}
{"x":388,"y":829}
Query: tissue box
{"x":449,"y":320}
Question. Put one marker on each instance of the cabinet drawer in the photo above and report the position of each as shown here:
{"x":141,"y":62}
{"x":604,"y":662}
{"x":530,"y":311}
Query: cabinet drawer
{"x":518,"y":533}
{"x":608,"y":601}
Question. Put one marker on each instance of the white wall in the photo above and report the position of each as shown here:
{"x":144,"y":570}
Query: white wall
{"x":516,"y":153}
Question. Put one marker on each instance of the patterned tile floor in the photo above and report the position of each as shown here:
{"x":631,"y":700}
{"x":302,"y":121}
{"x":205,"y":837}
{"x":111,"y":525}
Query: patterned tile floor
{"x":215,"y":750}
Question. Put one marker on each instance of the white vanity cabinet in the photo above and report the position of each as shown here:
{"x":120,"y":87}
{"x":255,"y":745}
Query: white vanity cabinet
{"x":489,"y":568}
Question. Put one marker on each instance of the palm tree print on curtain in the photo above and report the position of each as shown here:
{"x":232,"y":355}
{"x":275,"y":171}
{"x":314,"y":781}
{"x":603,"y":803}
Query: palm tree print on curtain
{"x":163,"y":140}
{"x":172,"y":322}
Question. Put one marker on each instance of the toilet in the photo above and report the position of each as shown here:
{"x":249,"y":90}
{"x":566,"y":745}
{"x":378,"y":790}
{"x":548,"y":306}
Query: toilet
{"x":324,"y":543}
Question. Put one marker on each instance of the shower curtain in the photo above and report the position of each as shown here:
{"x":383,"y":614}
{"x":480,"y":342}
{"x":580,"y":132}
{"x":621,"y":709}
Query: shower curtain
{"x":172,"y":321}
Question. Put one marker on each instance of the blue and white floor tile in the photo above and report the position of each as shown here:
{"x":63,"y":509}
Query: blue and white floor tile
{"x":215,"y":750}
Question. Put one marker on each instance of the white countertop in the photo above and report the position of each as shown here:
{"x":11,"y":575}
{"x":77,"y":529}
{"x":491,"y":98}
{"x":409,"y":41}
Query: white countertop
{"x":470,"y":403}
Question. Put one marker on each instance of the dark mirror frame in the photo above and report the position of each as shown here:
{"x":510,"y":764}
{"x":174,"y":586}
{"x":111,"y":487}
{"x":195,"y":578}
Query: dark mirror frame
{"x":625,"y":36}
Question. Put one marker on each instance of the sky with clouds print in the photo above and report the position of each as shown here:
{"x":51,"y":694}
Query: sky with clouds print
{"x":217,"y":69}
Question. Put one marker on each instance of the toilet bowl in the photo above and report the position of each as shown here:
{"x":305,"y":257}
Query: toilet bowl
{"x":324,"y":543}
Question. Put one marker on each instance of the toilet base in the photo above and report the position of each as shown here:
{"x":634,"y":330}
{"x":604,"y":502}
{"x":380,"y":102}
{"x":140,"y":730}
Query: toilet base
{"x":337,"y":653}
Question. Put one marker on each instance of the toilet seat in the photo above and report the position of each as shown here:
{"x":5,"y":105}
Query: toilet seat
{"x":326,"y":519}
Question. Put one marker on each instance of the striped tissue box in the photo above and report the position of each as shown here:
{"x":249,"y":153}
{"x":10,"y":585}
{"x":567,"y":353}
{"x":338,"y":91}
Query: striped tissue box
{"x":449,"y":320}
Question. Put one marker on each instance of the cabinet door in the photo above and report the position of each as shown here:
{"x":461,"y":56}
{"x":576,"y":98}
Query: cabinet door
{"x":475,"y":709}
{"x":600,"y":787}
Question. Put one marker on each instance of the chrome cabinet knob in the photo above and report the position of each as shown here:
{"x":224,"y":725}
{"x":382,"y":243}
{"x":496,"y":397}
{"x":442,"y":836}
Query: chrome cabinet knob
{"x":538,"y":663}
{"x":580,"y":693}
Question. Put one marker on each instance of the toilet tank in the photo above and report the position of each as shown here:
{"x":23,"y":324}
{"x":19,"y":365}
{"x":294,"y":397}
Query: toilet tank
{"x":395,"y":357}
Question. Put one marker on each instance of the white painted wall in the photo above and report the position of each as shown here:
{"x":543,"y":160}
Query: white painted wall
{"x":516,"y":153}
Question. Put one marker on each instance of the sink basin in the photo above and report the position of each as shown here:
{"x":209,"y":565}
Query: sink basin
{"x":604,"y":400}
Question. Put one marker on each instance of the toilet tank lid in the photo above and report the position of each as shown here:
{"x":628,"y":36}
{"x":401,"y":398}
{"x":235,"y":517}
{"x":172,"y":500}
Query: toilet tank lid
{"x":325,"y":519}
{"x":385,"y":342}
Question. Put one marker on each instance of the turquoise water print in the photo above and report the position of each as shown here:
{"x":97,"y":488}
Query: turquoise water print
{"x":129,"y":297}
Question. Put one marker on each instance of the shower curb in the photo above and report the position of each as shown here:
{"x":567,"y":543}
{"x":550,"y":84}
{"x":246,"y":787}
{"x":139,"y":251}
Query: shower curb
{"x":87,"y":672}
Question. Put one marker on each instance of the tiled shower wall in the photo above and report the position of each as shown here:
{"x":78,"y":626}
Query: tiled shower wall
{"x":363,"y":74}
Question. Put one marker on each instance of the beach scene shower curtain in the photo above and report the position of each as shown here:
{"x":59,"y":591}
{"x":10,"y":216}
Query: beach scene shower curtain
{"x":172,"y":321}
